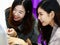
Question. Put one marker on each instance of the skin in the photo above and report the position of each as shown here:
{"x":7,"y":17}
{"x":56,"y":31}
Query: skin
{"x":18,"y":12}
{"x":46,"y":18}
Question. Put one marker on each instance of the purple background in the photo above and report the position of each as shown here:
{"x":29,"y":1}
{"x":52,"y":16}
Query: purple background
{"x":35,"y":3}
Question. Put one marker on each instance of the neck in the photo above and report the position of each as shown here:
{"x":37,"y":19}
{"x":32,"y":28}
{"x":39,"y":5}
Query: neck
{"x":52,"y":23}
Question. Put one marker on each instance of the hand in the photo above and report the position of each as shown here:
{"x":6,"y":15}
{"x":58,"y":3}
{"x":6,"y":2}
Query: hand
{"x":14,"y":41}
{"x":11,"y":32}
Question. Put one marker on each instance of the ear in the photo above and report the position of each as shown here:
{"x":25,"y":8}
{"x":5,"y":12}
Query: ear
{"x":52,"y":14}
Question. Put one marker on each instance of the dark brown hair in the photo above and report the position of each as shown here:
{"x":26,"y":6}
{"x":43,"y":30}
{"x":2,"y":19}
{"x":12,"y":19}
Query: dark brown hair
{"x":27,"y":22}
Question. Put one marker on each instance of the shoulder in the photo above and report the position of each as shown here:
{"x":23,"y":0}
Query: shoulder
{"x":7,"y":11}
{"x":58,"y":32}
{"x":55,"y":40}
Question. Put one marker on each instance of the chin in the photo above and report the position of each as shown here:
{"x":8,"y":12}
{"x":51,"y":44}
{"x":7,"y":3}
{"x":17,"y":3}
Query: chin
{"x":15,"y":20}
{"x":44,"y":24}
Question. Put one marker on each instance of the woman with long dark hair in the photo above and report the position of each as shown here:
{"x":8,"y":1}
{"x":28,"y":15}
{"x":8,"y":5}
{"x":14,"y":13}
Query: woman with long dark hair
{"x":48,"y":13}
{"x":21,"y":21}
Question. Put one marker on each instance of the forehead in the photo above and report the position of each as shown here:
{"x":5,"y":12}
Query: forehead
{"x":41,"y":10}
{"x":19,"y":7}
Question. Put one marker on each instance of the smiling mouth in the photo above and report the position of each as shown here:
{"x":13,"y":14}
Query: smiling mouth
{"x":15,"y":18}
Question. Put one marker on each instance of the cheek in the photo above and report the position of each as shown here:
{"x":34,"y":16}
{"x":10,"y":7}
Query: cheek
{"x":38,"y":17}
{"x":22,"y":15}
{"x":45,"y":19}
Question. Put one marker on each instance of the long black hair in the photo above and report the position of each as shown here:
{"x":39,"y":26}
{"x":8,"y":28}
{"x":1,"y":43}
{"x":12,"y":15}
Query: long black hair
{"x":48,"y":6}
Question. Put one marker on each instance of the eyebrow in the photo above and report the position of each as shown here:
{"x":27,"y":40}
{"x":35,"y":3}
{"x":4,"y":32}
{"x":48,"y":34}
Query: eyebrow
{"x":17,"y":44}
{"x":21,"y":11}
{"x":40,"y":12}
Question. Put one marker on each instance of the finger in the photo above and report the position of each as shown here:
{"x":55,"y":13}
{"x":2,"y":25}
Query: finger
{"x":7,"y":29}
{"x":12,"y":28}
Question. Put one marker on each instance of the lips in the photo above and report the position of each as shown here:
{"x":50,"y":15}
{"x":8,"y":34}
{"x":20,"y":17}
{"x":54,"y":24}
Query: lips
{"x":15,"y":17}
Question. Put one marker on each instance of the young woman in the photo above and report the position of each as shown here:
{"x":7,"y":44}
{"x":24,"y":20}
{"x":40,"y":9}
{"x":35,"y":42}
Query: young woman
{"x":20,"y":19}
{"x":49,"y":22}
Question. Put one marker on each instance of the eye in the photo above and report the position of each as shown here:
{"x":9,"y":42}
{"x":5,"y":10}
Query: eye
{"x":20,"y":12}
{"x":16,"y":44}
{"x":40,"y":14}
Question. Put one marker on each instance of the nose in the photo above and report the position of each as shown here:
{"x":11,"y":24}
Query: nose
{"x":39,"y":17}
{"x":16,"y":13}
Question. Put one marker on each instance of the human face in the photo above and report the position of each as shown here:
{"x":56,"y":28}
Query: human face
{"x":44,"y":17}
{"x":18,"y":13}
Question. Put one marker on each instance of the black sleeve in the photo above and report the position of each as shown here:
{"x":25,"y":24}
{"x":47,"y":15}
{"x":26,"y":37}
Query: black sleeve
{"x":22,"y":36}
